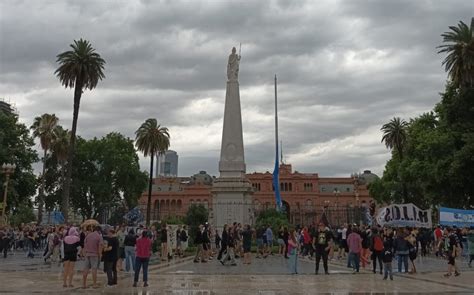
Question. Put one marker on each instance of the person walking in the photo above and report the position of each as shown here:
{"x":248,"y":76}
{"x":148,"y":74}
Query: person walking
{"x":292,"y":250}
{"x":199,"y":242}
{"x":129,"y":247}
{"x":413,"y":249}
{"x":286,"y":237}
{"x":269,"y":237}
{"x":92,"y":253}
{"x":452,"y":251}
{"x":247,"y":243}
{"x":164,"y":242}
{"x":121,"y":234}
{"x":224,"y":240}
{"x":230,"y":249}
{"x":354,"y":242}
{"x":143,"y":253}
{"x":377,"y":248}
{"x":321,"y":244}
{"x":71,"y":244}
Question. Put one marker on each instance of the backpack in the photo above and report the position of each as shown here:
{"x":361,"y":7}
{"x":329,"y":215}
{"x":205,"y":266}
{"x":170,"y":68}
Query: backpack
{"x":378,"y":243}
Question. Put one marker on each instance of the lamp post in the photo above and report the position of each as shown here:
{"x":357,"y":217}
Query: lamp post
{"x":7,"y":169}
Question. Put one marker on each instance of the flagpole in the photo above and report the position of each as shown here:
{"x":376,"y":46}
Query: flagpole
{"x":276,"y":171}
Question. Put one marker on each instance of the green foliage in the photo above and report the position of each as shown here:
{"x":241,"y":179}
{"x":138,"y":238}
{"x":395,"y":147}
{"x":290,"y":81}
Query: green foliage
{"x":174,"y":220}
{"x":106,"y":175}
{"x":196,"y":215}
{"x":16,"y":147}
{"x":273,"y":218}
{"x":23,"y":213}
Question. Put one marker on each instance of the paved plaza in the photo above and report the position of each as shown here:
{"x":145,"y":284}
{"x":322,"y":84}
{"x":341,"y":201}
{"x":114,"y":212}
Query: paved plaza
{"x":19,"y":275}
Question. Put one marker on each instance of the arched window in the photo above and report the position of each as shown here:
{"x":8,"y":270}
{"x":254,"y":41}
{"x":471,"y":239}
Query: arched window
{"x":173,"y":205}
{"x":290,"y":187}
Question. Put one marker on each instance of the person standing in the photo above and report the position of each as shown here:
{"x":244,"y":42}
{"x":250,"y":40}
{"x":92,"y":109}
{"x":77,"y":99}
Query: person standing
{"x":452,"y":250}
{"x":387,"y":257}
{"x":413,"y":249}
{"x":377,"y":248}
{"x":92,"y":253}
{"x":129,"y":247}
{"x":164,"y":242}
{"x":110,"y":257}
{"x":286,"y":236}
{"x":121,"y":234}
{"x":354,"y":242}
{"x":71,"y":243}
{"x":292,"y":250}
{"x":470,"y":245}
{"x":198,"y":241}
{"x":321,"y":244}
{"x":247,"y":243}
{"x":142,"y":259}
{"x":269,"y":237}
{"x":400,"y":248}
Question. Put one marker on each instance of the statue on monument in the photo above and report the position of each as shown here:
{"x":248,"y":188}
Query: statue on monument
{"x":233,"y":66}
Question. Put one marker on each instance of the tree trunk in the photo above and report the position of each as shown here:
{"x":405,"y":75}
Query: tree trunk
{"x":148,"y":206}
{"x":41,"y":190}
{"x":67,"y":180}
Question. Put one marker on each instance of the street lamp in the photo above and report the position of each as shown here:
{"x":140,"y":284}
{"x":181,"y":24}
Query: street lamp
{"x":7,"y":169}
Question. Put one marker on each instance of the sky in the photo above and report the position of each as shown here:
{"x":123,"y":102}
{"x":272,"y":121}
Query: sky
{"x":344,"y":69}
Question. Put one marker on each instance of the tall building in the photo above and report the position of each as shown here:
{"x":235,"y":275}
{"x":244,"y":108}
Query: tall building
{"x":167,"y":164}
{"x":5,"y":107}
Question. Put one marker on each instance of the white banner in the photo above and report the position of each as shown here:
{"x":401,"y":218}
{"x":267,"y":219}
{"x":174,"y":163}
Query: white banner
{"x":400,"y":215}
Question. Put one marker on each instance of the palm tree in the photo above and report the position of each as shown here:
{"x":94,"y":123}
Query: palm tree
{"x":43,"y":128}
{"x":395,"y":138}
{"x":60,"y":147}
{"x":81,"y":68}
{"x":460,"y":48}
{"x":151,"y":139}
{"x":395,"y":135}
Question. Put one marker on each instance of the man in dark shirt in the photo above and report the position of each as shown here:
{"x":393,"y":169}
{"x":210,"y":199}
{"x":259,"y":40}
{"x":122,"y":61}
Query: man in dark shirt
{"x":110,"y":257}
{"x":452,"y":250}
{"x":321,"y":245}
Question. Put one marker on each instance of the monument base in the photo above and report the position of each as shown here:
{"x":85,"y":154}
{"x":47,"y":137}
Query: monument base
{"x":231,"y":202}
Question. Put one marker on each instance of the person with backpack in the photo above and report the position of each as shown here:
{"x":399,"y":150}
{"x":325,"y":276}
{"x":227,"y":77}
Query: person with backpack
{"x":377,"y":248}
{"x":71,"y":243}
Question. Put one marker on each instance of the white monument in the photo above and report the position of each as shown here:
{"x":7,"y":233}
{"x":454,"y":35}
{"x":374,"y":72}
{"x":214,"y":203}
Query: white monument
{"x":232,"y":191}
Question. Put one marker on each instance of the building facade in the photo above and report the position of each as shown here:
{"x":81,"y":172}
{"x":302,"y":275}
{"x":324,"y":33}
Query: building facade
{"x":305,"y":196}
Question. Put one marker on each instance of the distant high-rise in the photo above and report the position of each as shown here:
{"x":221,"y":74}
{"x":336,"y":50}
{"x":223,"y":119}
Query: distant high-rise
{"x":5,"y":107}
{"x":167,"y":164}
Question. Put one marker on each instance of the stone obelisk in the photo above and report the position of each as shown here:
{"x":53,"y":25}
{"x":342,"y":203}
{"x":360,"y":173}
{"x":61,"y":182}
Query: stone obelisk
{"x":232,"y":191}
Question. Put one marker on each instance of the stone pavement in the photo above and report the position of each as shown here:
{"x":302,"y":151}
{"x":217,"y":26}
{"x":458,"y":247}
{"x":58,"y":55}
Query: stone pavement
{"x":19,"y":275}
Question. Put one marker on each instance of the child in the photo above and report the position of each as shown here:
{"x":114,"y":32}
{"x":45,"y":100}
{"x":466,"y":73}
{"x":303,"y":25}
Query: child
{"x":388,"y":257}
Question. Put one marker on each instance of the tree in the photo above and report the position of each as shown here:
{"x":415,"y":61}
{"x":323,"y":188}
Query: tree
{"x":394,"y":135}
{"x":43,"y":128}
{"x":106,"y":175}
{"x":459,"y":63}
{"x":16,"y":147}
{"x":273,"y":218}
{"x":80,"y":68}
{"x":151,"y":139}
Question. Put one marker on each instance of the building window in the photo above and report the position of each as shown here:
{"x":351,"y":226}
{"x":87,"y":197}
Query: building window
{"x":290,"y":187}
{"x":308,"y":187}
{"x":348,"y":189}
{"x":323,"y":189}
{"x":256,"y":186}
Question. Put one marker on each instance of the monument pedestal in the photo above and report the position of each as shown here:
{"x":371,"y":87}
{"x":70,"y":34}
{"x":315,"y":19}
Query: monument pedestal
{"x":232,"y":201}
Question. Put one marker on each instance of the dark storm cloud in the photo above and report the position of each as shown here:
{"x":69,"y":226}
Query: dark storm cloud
{"x":344,"y":68}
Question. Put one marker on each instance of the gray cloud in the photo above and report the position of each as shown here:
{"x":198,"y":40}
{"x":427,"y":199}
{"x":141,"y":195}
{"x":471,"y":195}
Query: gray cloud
{"x":344,"y":68}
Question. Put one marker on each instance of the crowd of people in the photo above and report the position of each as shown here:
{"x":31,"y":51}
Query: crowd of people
{"x":360,"y":246}
{"x":120,"y":249}
{"x":128,"y":249}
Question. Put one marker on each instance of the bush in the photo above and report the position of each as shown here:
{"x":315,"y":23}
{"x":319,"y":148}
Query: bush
{"x":273,"y":218}
{"x":174,"y":220}
{"x":197,"y":214}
